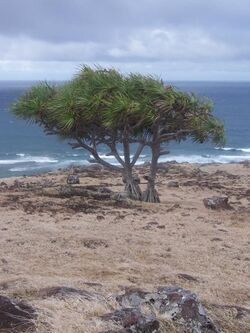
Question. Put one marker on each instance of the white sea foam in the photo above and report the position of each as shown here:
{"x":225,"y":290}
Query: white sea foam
{"x":206,"y":159}
{"x":244,"y":150}
{"x":27,"y":159}
{"x":45,"y":162}
{"x":19,"y":169}
{"x":48,"y":165}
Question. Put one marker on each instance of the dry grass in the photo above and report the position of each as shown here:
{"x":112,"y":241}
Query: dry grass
{"x":45,"y":242}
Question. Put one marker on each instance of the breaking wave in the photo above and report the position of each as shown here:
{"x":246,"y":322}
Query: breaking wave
{"x":26,"y":159}
{"x":206,"y":159}
{"x":244,"y":150}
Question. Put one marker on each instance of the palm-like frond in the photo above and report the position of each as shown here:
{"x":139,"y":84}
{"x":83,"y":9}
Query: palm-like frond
{"x":105,"y":102}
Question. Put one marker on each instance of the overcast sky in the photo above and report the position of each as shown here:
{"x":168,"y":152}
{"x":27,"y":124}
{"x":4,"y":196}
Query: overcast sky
{"x":177,"y":39}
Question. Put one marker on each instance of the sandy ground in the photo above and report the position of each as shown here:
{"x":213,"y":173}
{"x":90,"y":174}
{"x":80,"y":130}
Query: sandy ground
{"x":48,"y":241}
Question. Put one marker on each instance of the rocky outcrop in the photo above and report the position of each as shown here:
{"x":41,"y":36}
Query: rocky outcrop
{"x":217,"y":203}
{"x":176,"y":304}
{"x":15,"y":315}
{"x":139,"y":311}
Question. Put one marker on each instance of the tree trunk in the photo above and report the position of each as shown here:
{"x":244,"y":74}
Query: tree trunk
{"x":132,"y":187}
{"x":151,"y":195}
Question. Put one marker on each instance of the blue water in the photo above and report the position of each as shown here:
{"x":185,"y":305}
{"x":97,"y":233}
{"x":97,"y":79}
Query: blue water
{"x":24,"y":149}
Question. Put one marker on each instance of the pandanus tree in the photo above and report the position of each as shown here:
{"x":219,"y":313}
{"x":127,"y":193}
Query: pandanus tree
{"x":101,"y":107}
{"x":93,"y":110}
{"x":179,"y":117}
{"x":171,"y":115}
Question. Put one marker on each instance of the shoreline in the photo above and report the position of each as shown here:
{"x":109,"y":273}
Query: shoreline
{"x":139,"y":166}
{"x":106,"y":246}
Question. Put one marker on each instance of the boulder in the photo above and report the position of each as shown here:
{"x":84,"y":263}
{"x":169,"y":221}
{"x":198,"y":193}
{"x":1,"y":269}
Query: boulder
{"x":217,"y":203}
{"x":173,"y":183}
{"x":73,"y":179}
{"x":133,"y":320}
{"x":64,"y":292}
{"x":177,"y":304}
{"x":15,"y":315}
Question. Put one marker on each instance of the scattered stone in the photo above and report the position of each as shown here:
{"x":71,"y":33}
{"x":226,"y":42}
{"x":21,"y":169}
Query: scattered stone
{"x":217,"y":203}
{"x":161,"y":226}
{"x":187,"y":277}
{"x":190,"y":183}
{"x":150,"y":225}
{"x":94,"y":243}
{"x":173,"y":183}
{"x":73,"y":179}
{"x":64,"y":292}
{"x":216,"y":239}
{"x":15,"y":315}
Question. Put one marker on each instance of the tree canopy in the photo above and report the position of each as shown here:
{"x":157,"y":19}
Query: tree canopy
{"x":103,"y":107}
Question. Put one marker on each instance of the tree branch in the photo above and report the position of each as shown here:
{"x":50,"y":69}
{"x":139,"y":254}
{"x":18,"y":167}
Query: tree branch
{"x":114,"y":151}
{"x":95,"y":154}
{"x":104,"y":163}
{"x":137,"y":153}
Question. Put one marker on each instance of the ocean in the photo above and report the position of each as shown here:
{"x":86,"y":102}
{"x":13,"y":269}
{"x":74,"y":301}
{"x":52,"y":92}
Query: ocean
{"x":26,"y":150}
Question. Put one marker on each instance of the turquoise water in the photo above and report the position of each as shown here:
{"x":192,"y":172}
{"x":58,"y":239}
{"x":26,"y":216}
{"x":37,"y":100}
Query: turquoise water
{"x":24,"y":149}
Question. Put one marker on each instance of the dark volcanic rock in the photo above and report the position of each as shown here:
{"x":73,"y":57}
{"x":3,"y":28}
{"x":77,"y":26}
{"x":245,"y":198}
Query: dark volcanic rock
{"x":63,"y":292}
{"x":177,"y":304}
{"x":134,"y":320}
{"x":173,"y":183}
{"x":217,"y":203}
{"x":133,"y":297}
{"x":73,"y":179}
{"x":15,"y":315}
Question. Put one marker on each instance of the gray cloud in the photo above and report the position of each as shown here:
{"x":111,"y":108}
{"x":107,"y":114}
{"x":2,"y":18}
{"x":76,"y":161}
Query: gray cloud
{"x":204,"y":34}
